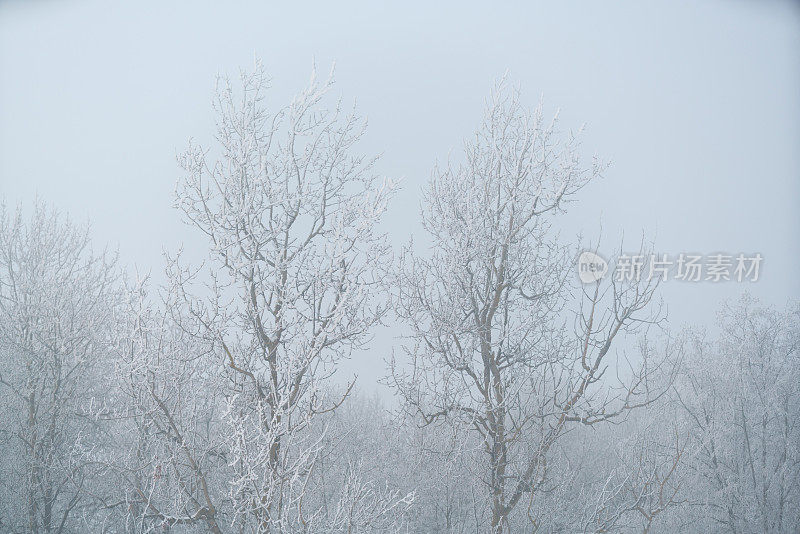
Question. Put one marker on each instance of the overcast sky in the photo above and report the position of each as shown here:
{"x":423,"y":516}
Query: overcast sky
{"x":698,"y":107}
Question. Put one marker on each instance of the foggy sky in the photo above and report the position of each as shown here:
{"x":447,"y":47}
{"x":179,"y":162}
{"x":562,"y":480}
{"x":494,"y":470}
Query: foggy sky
{"x":697,"y":106}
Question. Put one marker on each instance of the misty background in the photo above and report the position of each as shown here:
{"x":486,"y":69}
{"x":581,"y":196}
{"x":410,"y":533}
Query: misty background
{"x":696,"y":106}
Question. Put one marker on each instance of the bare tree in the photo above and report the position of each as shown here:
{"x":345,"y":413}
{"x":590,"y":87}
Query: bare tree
{"x":168,"y":461}
{"x":57,"y":302}
{"x":650,"y":464}
{"x":739,"y":400}
{"x":296,"y":272}
{"x":490,"y":349}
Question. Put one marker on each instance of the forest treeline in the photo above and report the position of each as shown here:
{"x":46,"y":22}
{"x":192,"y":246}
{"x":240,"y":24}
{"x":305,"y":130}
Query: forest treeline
{"x":526,"y":400}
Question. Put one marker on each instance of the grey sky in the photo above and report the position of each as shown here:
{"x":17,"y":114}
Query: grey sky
{"x":697,"y":106}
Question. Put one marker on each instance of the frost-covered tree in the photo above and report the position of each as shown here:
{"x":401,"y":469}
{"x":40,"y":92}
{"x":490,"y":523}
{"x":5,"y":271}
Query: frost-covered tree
{"x":295,"y":281}
{"x":739,"y":400}
{"x":57,"y":302}
{"x":168,"y":466}
{"x":490,"y":349}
